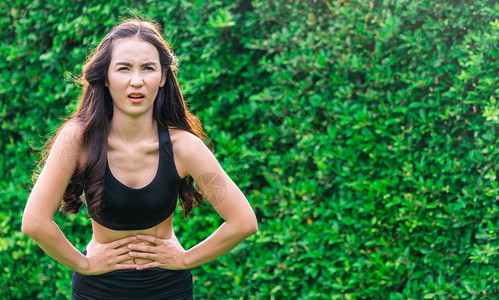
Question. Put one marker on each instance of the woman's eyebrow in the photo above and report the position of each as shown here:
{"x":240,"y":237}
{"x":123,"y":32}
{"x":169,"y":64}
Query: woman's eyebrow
{"x":152,"y":63}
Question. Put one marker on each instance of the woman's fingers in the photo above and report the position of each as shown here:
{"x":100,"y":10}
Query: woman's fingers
{"x":122,"y":250}
{"x":150,"y":238}
{"x":166,"y":254}
{"x":141,"y":247}
{"x":153,"y":264}
{"x":121,"y":242}
{"x":125,"y":266}
{"x":121,"y":258}
{"x":143,"y":255}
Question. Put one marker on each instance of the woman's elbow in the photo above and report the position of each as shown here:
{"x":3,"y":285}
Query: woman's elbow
{"x":30,"y":226}
{"x":250,"y":226}
{"x":26,"y":229}
{"x":254,"y":229}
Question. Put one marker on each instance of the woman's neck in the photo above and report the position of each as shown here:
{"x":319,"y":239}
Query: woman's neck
{"x":133,"y":129}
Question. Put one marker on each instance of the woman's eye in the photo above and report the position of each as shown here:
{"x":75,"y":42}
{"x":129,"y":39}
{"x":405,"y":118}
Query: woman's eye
{"x":123,"y":69}
{"x":149,"y":68}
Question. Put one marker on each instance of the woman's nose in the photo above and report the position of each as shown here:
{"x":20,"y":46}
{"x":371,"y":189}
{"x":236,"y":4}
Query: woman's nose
{"x":136,"y":79}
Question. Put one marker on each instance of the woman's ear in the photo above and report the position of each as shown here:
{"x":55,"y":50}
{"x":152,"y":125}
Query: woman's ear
{"x":106,"y":83}
{"x":163,"y":81}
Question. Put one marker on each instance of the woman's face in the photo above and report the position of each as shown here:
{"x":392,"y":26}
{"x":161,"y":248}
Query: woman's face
{"x":134,"y":76}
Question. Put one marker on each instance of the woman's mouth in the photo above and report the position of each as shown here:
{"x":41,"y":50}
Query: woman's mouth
{"x":136,"y":97}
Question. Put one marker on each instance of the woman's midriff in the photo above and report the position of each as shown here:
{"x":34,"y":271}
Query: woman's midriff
{"x":105,"y":235}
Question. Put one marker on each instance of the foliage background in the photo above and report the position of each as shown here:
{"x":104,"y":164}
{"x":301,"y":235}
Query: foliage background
{"x":364,"y":133}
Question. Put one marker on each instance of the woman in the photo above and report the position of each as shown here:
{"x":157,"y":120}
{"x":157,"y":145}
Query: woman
{"x":132,"y":147}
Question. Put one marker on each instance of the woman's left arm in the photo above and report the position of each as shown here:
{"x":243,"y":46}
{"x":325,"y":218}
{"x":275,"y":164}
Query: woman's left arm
{"x":227,"y":199}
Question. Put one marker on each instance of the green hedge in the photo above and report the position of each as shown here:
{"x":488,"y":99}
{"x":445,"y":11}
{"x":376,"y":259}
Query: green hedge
{"x":364,"y":133}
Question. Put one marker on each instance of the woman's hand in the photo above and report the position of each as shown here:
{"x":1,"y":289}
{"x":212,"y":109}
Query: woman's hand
{"x":164,"y":253}
{"x":104,"y":258}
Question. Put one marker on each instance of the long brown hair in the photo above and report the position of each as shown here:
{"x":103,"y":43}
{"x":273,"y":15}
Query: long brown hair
{"x":95,"y":110}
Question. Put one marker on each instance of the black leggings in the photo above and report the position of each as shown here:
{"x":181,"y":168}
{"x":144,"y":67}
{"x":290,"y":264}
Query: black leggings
{"x":154,"y":283}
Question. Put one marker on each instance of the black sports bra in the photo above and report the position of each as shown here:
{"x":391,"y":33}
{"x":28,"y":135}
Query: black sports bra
{"x":126,"y":208}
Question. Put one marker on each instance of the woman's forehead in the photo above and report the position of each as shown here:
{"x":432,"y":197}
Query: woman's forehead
{"x":133,"y":49}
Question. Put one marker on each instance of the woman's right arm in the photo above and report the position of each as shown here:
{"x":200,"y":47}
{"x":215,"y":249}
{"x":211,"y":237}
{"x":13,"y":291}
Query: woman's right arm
{"x":45,"y":199}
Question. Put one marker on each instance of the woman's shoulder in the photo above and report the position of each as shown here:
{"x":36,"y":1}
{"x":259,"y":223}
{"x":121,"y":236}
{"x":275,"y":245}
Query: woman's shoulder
{"x":187,"y":147}
{"x":70,"y":137}
{"x":183,"y":139}
{"x":71,"y":131}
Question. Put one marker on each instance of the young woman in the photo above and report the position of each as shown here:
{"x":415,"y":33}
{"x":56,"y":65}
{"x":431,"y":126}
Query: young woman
{"x":132,"y":147}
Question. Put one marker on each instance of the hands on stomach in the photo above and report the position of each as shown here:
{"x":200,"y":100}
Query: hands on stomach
{"x":153,"y":252}
{"x":104,"y":258}
{"x":134,"y":252}
{"x":111,"y":250}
